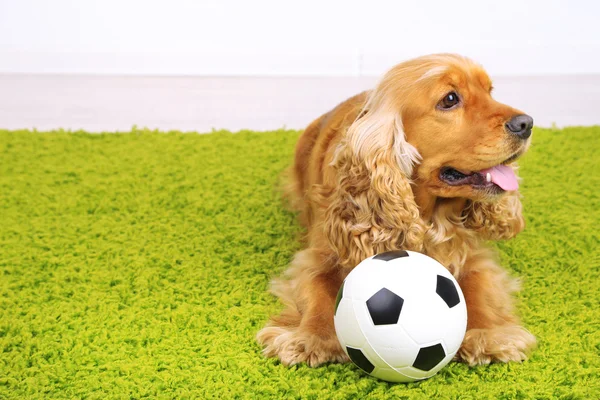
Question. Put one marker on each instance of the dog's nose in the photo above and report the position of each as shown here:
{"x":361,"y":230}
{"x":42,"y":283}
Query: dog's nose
{"x":520,"y":125}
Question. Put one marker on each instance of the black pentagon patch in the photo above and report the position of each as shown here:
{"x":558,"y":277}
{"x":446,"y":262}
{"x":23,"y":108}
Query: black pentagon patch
{"x":385,"y":307}
{"x":447,"y":291}
{"x":339,"y":297}
{"x":360,"y":360}
{"x":429,"y":357}
{"x":390,"y":255}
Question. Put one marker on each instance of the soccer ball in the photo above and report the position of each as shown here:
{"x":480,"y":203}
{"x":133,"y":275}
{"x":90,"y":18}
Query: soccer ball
{"x":400,"y":316}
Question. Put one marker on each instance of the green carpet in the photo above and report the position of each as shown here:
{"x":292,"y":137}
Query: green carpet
{"x":136,"y":265}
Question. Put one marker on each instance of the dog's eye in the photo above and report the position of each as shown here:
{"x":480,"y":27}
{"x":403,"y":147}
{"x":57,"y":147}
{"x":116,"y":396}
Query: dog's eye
{"x":449,"y":101}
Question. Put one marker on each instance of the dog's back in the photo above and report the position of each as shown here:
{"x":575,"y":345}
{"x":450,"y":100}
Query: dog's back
{"x":317,"y":144}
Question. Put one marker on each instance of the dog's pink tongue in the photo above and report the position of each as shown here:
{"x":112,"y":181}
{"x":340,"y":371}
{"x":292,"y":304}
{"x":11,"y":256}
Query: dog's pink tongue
{"x":503,"y":176}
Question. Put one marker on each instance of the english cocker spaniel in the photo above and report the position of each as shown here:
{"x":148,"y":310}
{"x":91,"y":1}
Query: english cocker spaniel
{"x":426,"y":162}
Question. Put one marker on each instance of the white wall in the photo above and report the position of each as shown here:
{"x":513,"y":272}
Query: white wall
{"x":303,"y":37}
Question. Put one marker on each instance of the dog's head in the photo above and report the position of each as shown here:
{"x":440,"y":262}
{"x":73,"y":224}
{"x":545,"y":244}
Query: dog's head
{"x":449,"y":135}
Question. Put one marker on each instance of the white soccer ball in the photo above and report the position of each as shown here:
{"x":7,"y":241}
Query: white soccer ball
{"x":400,"y":316}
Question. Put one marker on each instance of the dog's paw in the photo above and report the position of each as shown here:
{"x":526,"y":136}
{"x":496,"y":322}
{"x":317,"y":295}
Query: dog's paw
{"x":501,"y":344}
{"x":294,"y":346}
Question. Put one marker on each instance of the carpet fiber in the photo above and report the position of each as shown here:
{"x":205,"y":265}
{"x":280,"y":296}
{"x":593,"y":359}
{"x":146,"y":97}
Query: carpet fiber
{"x":137,"y":265}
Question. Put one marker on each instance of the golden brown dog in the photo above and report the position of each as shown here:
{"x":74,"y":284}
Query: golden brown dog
{"x":424,"y":162}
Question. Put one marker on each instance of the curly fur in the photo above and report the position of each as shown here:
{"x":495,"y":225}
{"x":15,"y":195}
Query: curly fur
{"x":365,"y":180}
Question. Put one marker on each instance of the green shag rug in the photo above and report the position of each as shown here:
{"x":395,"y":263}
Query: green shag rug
{"x":137,"y":265}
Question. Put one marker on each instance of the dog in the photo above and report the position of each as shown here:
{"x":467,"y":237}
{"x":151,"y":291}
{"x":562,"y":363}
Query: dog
{"x":426,"y":161}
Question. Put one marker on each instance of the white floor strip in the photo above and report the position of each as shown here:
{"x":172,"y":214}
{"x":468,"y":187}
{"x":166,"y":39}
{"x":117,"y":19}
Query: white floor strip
{"x":116,"y":103}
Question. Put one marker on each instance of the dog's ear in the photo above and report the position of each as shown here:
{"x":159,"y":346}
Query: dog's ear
{"x":372,"y":208}
{"x":502,"y":219}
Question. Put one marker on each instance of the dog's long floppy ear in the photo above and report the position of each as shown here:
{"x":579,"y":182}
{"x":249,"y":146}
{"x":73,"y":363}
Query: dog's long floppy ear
{"x":502,"y":219}
{"x":372,"y":208}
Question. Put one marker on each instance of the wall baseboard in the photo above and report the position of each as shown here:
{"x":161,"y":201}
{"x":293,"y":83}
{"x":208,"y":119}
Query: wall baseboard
{"x":525,"y":59}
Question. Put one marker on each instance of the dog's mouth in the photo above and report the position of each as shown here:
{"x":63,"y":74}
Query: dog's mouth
{"x":497,"y":178}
